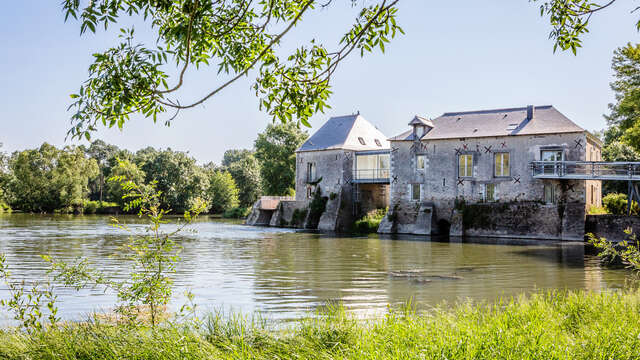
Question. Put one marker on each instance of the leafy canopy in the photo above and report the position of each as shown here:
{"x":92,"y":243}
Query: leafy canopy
{"x":569,"y":20}
{"x":235,"y":36}
{"x":276,"y":149}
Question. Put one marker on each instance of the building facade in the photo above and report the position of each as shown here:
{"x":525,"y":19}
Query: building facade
{"x":469,"y":173}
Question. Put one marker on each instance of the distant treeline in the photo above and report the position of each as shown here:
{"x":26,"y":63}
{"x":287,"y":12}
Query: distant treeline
{"x":75,"y":179}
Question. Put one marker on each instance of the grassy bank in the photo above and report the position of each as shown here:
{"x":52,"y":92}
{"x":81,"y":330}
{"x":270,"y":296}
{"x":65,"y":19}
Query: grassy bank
{"x":546,"y":326}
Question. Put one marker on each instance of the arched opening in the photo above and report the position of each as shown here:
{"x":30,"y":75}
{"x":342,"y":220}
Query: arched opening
{"x":443,"y":227}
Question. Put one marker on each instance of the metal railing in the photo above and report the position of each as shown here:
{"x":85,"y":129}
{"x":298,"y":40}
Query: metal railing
{"x":585,"y":170}
{"x":372,"y":174}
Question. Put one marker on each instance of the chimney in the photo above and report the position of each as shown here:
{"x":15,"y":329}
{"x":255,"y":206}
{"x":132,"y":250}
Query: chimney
{"x":530,"y":112}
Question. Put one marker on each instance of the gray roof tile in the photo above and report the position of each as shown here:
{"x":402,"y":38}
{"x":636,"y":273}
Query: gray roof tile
{"x":342,"y":132}
{"x":498,"y":122}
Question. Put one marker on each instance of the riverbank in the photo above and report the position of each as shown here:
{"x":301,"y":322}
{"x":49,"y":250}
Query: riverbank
{"x":554,"y":325}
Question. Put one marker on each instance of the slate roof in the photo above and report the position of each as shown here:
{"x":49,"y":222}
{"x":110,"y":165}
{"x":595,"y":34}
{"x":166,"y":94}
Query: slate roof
{"x":499,"y":122}
{"x":342,"y":132}
{"x":419,"y":120}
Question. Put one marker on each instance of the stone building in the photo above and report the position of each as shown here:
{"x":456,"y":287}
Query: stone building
{"x":470,"y":173}
{"x":345,"y":162}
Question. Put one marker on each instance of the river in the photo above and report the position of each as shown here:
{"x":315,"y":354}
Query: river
{"x":283,"y":274}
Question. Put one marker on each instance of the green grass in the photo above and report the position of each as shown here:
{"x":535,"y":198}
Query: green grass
{"x":555,"y":325}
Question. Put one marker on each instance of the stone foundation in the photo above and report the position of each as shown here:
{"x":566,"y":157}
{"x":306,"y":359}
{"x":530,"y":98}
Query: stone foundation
{"x":612,"y":227}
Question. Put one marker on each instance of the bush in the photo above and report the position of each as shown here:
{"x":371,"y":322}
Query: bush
{"x":99,"y":207}
{"x":370,"y":222}
{"x":236,"y":213}
{"x":597,"y":210}
{"x":4,"y":208}
{"x":616,"y":203}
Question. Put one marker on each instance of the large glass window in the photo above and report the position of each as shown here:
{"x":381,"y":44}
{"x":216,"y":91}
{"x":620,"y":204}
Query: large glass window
{"x":465,"y":165}
{"x":372,"y":166}
{"x":502,"y":165}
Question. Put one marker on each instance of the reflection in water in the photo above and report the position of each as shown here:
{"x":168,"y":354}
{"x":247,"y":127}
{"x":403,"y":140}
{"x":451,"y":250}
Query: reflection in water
{"x":283,"y":273}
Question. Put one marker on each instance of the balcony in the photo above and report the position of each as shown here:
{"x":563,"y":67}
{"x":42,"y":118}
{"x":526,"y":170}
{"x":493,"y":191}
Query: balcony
{"x":586,"y":170}
{"x":372,"y":176}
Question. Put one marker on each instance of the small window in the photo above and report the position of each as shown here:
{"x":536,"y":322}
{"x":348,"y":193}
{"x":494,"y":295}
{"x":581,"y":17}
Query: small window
{"x":465,"y":165}
{"x":502,"y":165}
{"x":549,"y":194}
{"x":311,"y":172}
{"x":421,"y":162}
{"x":415,"y":192}
{"x":361,"y":141}
{"x":377,"y":142}
{"x":490,"y":192}
{"x":309,"y":192}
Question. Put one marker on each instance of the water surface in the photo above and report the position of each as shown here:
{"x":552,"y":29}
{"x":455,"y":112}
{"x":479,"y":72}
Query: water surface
{"x":284,"y":273}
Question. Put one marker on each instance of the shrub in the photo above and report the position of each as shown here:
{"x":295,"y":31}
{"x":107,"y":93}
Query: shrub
{"x":616,"y":203}
{"x":298,"y":216}
{"x":236,"y":213}
{"x":4,"y":208}
{"x":371,"y":221}
{"x":597,"y":210}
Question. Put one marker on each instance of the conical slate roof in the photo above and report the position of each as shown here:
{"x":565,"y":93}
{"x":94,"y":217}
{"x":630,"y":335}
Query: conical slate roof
{"x":351,"y":132}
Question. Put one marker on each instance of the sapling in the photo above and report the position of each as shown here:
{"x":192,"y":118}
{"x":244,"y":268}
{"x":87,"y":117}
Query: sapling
{"x":152,"y":253}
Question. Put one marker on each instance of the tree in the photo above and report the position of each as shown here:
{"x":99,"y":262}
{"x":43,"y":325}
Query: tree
{"x":234,"y":155}
{"x":127,"y":171}
{"x":222,"y":192}
{"x":275,"y":148}
{"x":5,"y":176}
{"x":48,"y":178}
{"x":101,"y":152}
{"x":625,"y":113}
{"x":240,"y":37}
{"x":569,"y":20}
{"x":245,"y":171}
{"x":180,"y":180}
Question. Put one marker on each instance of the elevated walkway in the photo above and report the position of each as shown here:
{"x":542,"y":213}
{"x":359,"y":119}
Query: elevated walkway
{"x":586,"y":170}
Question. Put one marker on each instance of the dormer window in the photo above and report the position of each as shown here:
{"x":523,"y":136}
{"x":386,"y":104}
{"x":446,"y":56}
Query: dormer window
{"x":378,"y":142}
{"x":361,"y":141}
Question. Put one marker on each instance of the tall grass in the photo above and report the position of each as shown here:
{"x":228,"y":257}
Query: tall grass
{"x":555,"y":325}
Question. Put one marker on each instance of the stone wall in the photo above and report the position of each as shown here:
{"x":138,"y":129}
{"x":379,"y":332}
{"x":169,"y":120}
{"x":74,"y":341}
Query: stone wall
{"x":612,"y":227}
{"x":521,"y":219}
{"x":441,"y":186}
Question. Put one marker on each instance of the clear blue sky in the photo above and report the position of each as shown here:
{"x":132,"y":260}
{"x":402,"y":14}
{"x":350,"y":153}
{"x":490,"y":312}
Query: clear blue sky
{"x":455,"y":56}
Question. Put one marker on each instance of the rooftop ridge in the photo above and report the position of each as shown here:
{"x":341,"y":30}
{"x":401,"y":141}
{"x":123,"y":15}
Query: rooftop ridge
{"x":494,"y":110}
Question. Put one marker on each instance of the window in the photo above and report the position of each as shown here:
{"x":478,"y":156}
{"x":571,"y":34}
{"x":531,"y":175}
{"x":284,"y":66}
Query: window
{"x":465,"y":165}
{"x":490,"y":192}
{"x":420,"y":162}
{"x":361,"y":141}
{"x":311,"y":172}
{"x":415,"y":192}
{"x":550,"y":156}
{"x":378,"y":142}
{"x":502,"y":164}
{"x":549,"y":194}
{"x":309,"y":192}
